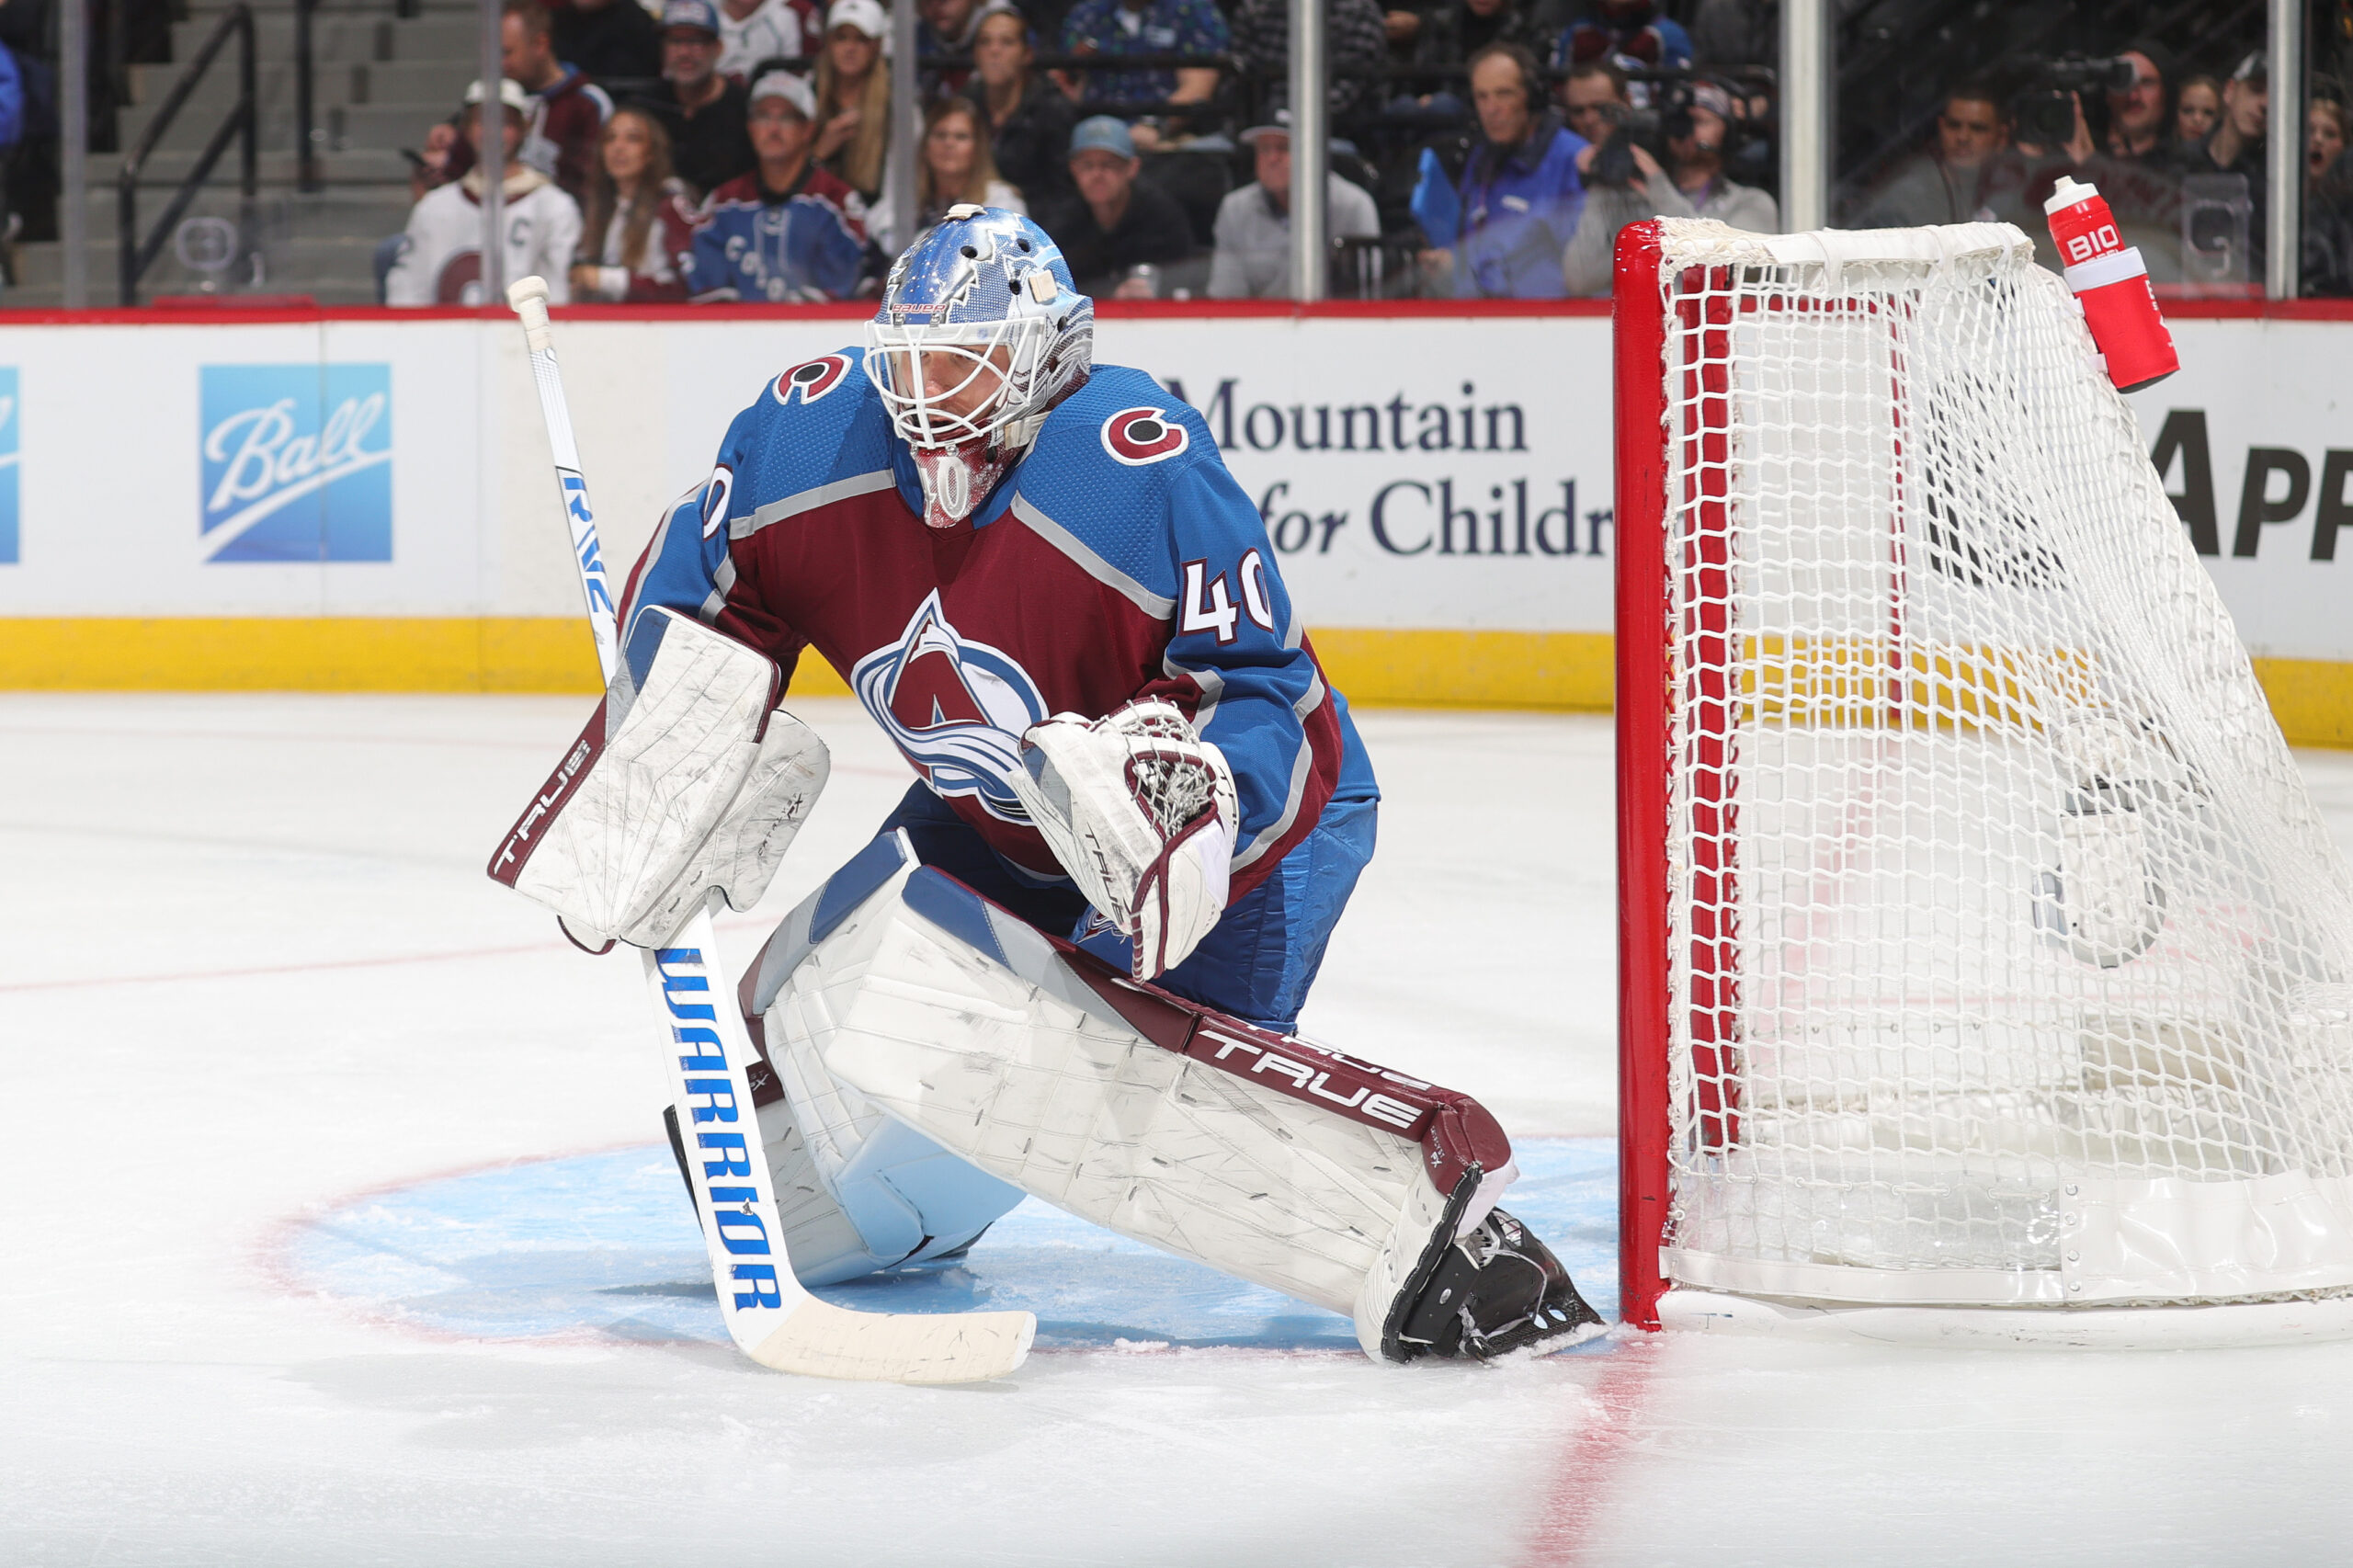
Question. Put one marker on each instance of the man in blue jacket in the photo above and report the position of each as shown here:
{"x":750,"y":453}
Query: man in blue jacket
{"x":1503,"y":227}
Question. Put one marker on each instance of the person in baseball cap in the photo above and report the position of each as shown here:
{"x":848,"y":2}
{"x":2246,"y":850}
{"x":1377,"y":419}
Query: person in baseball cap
{"x":439,"y":260}
{"x":695,"y":16}
{"x":704,"y":111}
{"x":790,"y":230}
{"x":867,"y":15}
{"x":854,"y":94}
{"x":1119,"y":221}
{"x":789,"y":87}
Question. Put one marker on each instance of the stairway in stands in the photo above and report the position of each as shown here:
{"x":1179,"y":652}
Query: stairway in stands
{"x":381,"y":80}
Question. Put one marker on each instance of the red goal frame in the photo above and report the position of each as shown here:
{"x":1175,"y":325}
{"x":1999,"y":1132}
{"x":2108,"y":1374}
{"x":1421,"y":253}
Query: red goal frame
{"x":1647,"y":647}
{"x":1638,"y":337}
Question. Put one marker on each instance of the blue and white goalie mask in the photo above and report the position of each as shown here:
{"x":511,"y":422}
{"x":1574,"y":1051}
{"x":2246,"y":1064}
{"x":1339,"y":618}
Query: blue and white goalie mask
{"x":980,"y":333}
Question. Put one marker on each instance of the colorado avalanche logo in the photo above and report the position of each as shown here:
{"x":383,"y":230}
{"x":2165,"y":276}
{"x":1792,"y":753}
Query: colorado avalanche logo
{"x":812,"y":380}
{"x":955,"y":707}
{"x":1139,"y":436}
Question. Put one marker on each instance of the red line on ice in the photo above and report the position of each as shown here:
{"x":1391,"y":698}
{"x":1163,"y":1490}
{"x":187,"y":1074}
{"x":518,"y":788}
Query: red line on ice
{"x":1581,"y":1490}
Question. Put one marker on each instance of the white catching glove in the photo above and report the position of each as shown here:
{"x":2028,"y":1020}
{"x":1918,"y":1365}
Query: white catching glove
{"x":1141,"y":811}
{"x":687,"y":779}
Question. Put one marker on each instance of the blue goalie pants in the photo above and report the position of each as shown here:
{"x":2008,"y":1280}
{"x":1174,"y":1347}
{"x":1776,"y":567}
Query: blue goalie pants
{"x":1257,"y":962}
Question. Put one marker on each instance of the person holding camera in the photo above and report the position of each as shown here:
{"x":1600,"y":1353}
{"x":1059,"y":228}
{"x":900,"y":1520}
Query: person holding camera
{"x":1624,"y":183}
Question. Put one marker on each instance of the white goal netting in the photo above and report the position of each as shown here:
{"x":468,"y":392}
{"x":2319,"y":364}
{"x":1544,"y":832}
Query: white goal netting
{"x":2009,"y":962}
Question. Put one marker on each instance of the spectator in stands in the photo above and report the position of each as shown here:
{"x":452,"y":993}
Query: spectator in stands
{"x":613,"y":40}
{"x":1253,"y":256}
{"x":440,"y":257}
{"x":1594,"y":100}
{"x":1632,"y":34}
{"x":1970,"y":174}
{"x":2138,"y":123}
{"x":950,"y":28}
{"x":2323,"y":138}
{"x":854,"y":96}
{"x":1356,"y":46}
{"x":640,"y":218}
{"x":1146,"y":26}
{"x":1029,"y":117}
{"x":708,"y":142}
{"x":568,"y":109}
{"x":1118,"y":222}
{"x":1501,"y":233}
{"x":1632,"y":184}
{"x":757,"y":33}
{"x":2196,"y":108}
{"x":1695,"y":153}
{"x":952,"y":167}
{"x":790,"y":230}
{"x":2236,"y":146}
{"x":2328,"y":200}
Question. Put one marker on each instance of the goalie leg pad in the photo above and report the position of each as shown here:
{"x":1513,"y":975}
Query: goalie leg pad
{"x":856,"y":1190}
{"x":686,"y":780}
{"x":1266,"y":1157}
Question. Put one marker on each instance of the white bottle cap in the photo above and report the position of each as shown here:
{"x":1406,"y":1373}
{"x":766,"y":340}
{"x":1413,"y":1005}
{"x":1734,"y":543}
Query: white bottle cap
{"x":2069,"y":192}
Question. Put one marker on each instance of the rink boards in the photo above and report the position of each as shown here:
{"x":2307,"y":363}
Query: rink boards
{"x":346,"y":500}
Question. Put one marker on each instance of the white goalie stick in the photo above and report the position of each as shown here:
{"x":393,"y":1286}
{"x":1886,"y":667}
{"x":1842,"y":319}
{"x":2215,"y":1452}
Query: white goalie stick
{"x":706,"y":1053}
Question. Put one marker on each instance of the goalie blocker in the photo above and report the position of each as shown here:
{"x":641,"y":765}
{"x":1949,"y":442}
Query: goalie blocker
{"x":687,"y":779}
{"x":904,"y":1019}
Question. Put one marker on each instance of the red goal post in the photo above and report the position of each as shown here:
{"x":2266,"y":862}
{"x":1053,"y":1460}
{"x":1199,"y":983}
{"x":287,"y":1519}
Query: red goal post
{"x":1984,"y":970}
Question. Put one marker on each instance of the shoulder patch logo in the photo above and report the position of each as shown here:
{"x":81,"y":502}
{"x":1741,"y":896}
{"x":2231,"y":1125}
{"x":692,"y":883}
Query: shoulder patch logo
{"x":1139,"y":436}
{"x":716,"y":493}
{"x":811,"y":381}
{"x":956,"y":707}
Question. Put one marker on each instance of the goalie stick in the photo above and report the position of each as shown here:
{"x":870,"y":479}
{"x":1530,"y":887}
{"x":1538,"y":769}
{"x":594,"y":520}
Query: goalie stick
{"x":770,"y":1317}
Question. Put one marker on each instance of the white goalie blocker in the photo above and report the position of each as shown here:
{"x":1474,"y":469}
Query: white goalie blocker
{"x":688,"y":780}
{"x":939,"y":1057}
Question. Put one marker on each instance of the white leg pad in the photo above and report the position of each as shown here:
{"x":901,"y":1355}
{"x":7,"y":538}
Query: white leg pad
{"x":1265,"y":1157}
{"x":856,"y":1190}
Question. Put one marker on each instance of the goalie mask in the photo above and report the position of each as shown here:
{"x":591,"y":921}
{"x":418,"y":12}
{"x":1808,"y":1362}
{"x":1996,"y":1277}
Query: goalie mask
{"x":980,"y":333}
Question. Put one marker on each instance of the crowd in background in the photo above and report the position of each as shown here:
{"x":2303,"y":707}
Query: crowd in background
{"x":2178,"y":148}
{"x":739,"y":149}
{"x":700,"y":150}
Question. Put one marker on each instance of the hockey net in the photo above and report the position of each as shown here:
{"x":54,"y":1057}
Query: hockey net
{"x":1982,"y":947}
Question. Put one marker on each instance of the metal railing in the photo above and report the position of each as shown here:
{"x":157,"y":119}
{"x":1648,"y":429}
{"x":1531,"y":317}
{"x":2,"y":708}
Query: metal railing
{"x":243,"y":122}
{"x":308,"y":173}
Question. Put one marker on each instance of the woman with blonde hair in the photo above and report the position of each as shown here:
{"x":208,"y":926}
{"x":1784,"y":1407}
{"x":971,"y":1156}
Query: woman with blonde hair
{"x":953,"y":166}
{"x":641,"y":219}
{"x":854,"y":96}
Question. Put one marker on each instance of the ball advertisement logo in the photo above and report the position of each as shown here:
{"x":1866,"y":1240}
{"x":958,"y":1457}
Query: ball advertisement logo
{"x":955,"y":707}
{"x":9,"y":454}
{"x":296,"y":462}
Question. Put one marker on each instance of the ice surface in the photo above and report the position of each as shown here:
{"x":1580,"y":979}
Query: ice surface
{"x":259,"y":1004}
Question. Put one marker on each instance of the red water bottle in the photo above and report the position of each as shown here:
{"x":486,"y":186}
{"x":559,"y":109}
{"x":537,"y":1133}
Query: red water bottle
{"x":2112,"y":284}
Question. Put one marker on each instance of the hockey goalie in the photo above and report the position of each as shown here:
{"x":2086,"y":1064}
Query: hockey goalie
{"x":1071,"y":961}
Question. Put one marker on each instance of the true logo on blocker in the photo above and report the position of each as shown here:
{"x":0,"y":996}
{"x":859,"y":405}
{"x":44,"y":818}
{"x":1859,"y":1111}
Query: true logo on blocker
{"x":297,"y":462}
{"x":9,"y":454}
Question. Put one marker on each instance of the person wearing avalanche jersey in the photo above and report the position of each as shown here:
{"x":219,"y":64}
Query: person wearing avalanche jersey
{"x":1039,"y":579}
{"x":1081,"y":546}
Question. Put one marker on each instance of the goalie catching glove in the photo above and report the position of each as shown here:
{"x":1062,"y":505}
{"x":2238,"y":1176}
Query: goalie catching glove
{"x":1141,"y":811}
{"x":687,"y":779}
